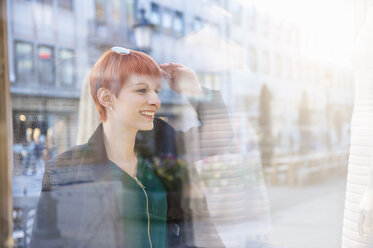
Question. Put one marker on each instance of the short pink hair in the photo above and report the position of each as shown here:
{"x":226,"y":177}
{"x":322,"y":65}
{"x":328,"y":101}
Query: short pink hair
{"x":113,"y":69}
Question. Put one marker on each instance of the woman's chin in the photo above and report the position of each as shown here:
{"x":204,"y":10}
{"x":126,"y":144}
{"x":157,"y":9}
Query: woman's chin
{"x":148,"y":127}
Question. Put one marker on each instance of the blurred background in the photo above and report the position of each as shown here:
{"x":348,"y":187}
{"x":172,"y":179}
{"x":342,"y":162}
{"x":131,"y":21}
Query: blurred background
{"x":283,"y":69}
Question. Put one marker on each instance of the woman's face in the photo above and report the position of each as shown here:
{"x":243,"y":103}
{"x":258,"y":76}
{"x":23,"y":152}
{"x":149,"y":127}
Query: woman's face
{"x":137,"y":102}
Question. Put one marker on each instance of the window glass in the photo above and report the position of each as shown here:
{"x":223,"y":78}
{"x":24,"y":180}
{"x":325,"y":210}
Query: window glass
{"x":100,"y":11}
{"x":66,"y":4}
{"x":24,"y":62}
{"x":66,"y":67}
{"x":209,"y":81}
{"x":265,"y":25}
{"x":260,"y":144}
{"x":279,"y":65}
{"x":253,"y":59}
{"x":266,"y":63}
{"x":197,"y":23}
{"x":252,"y":19}
{"x":45,"y":65}
{"x":178,"y":24}
{"x":155,"y":16}
{"x":289,"y":68}
{"x":131,"y":8}
{"x":46,"y":2}
{"x":217,"y":81}
{"x":214,"y":28}
{"x":167,"y":21}
{"x":237,"y":14}
{"x":116,"y":12}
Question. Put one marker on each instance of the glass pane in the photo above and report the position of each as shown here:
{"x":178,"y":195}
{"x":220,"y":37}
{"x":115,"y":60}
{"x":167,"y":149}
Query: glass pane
{"x":24,"y":62}
{"x":131,"y":7}
{"x":243,"y":139}
{"x":117,"y":10}
{"x":197,"y":24}
{"x":155,"y":17}
{"x":45,"y":65}
{"x":253,"y":59}
{"x":167,"y":21}
{"x":100,"y":11}
{"x":46,"y":2}
{"x":179,"y":24}
{"x":65,"y":4}
{"x":66,"y":67}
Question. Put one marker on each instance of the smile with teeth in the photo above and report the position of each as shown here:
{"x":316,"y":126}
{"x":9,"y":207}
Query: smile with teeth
{"x":148,"y":114}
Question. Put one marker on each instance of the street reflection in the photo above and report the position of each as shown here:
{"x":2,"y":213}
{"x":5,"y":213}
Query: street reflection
{"x":279,"y":132}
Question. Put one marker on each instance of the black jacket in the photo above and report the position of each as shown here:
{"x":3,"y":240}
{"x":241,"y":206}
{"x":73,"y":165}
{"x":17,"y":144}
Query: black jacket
{"x":78,"y":205}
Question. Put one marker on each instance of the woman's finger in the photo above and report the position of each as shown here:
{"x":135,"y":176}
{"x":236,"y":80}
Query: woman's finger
{"x":170,"y":67}
{"x":166,"y":74}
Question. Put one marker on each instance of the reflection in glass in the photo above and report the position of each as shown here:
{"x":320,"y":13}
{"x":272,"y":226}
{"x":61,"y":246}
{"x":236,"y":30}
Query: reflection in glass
{"x":100,"y":11}
{"x":24,"y":61}
{"x":179,"y":24}
{"x":46,"y":65}
{"x":66,"y":67}
{"x":155,"y":17}
{"x":289,"y":107}
{"x":167,"y":21}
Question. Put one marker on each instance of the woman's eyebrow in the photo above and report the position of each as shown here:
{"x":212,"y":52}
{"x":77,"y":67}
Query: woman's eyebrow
{"x":147,"y":85}
{"x":141,"y":83}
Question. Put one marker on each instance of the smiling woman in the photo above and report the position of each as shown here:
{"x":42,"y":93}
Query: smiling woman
{"x":113,"y":70}
{"x":116,"y":195}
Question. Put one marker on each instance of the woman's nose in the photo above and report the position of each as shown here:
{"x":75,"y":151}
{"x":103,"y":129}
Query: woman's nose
{"x":154,"y":100}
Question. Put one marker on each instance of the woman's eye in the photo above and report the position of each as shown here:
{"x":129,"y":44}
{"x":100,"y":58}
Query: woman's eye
{"x":142,"y":90}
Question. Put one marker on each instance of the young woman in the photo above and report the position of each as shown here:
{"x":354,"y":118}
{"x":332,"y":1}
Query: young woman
{"x":110,"y":192}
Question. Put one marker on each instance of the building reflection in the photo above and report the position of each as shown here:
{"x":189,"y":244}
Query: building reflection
{"x":290,"y":113}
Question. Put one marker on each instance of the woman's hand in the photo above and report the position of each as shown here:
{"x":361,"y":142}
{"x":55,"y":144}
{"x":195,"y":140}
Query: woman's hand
{"x":181,"y":79}
{"x":365,"y":220}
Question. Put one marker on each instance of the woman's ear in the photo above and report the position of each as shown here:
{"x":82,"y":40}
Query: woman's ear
{"x":105,"y":98}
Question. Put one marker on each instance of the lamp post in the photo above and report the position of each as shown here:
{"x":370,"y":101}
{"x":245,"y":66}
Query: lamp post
{"x":143,"y":33}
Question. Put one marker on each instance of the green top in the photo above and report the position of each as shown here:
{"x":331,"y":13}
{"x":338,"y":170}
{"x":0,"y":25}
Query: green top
{"x":132,"y":206}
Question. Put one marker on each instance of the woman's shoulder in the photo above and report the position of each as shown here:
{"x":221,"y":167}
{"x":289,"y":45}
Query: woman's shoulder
{"x":71,"y":156}
{"x":78,"y":164}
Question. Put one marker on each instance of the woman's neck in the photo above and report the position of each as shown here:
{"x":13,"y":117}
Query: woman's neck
{"x":120,"y":146}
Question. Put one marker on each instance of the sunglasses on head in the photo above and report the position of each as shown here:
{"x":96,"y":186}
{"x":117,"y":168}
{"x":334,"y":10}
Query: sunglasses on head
{"x":120,"y":50}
